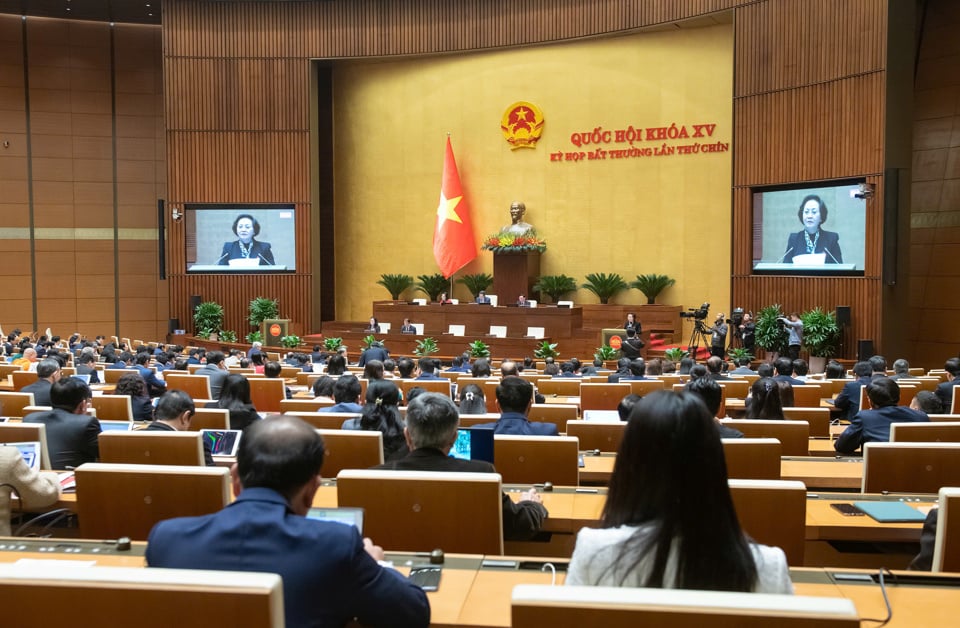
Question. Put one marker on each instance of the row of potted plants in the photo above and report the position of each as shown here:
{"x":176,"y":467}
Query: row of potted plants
{"x":208,"y":321}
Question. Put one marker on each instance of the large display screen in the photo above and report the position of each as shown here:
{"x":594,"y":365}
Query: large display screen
{"x":816,"y":228}
{"x":240,"y":238}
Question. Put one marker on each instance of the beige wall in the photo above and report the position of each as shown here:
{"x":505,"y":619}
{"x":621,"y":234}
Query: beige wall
{"x":632,"y":216}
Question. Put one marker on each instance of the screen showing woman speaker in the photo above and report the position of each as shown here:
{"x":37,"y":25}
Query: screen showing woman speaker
{"x":240,"y":238}
{"x":814,"y":228}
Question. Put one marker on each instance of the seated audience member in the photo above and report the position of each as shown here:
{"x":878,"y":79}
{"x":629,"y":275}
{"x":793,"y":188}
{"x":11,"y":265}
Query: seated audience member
{"x":346,"y":395}
{"x":765,"y":401}
{"x":414,"y":392}
{"x":765,"y":370}
{"x":626,"y":405}
{"x":508,"y":368}
{"x":428,"y":367}
{"x":848,"y":400}
{"x":698,"y":370}
{"x":245,"y":364}
{"x":945,"y":390}
{"x":568,"y":369}
{"x":552,"y":369}
{"x":180,"y":364}
{"x":376,"y":351}
{"x":711,"y":394}
{"x":514,"y":398}
{"x":258,"y":360}
{"x":389,"y":368}
{"x":336,"y":365}
{"x":273,"y":370}
{"x":801,"y":369}
{"x":927,"y":402}
{"x":472,"y":400}
{"x":175,"y":410}
{"x":743,"y":367}
{"x":28,"y":360}
{"x":373,"y":370}
{"x":431,"y":431}
{"x":381,"y":413}
{"x":215,"y":371}
{"x":901,"y":369}
{"x":669,"y":366}
{"x":784,"y":368}
{"x":637,"y":369}
{"x":235,"y":397}
{"x":649,"y":538}
{"x":655,"y":367}
{"x":623,"y":370}
{"x":685,"y":365}
{"x":593,"y":368}
{"x":330,"y":575}
{"x":48,"y":371}
{"x":455,"y":364}
{"x":406,"y":368}
{"x":317,"y":356}
{"x":481,"y":368}
{"x":72,"y":434}
{"x":878,"y":366}
{"x":232,"y":359}
{"x":85,"y":366}
{"x":715,"y":366}
{"x":132,"y":384}
{"x":873,"y":425}
{"x":124,"y":360}
{"x":835,"y":370}
{"x":257,"y":347}
{"x":528,"y":363}
{"x":35,"y":489}
{"x":786,"y":395}
{"x":323,"y":387}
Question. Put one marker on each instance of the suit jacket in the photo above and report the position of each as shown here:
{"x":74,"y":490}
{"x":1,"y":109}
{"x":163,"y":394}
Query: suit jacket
{"x":35,"y":489}
{"x":429,"y":376}
{"x":944,"y":393}
{"x":408,"y":329}
{"x":154,"y":386}
{"x":83,"y":369}
{"x":72,"y":439}
{"x":849,"y":398}
{"x":870,"y":426}
{"x":259,"y":250}
{"x":373,"y":353}
{"x":483,"y":300}
{"x":514,"y":423}
{"x":159,"y":426}
{"x":828,"y":243}
{"x":328,"y":577}
{"x":343,"y":406}
{"x":41,"y":392}
{"x":793,"y":381}
{"x":216,"y":377}
{"x":142,"y":408}
{"x":630,"y":348}
{"x":743,"y":370}
{"x":521,"y":520}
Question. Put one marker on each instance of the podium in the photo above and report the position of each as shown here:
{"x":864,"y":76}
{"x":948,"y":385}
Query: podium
{"x":273,"y":329}
{"x":514,"y":273}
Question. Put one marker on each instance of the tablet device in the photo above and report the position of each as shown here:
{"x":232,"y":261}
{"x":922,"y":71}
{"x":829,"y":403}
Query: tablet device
{"x":891,"y":512}
{"x":347,"y":516}
{"x":473,"y":443}
{"x":30,"y":450}
{"x":222,"y":442}
{"x":83,"y":377}
{"x":118,"y":426}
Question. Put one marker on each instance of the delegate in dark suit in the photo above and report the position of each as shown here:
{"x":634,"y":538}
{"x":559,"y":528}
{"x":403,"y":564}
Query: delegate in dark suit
{"x":827,"y":243}
{"x":72,"y":439}
{"x":216,"y":375}
{"x":520,"y":520}
{"x":328,"y":577}
{"x":849,"y":398}
{"x":871,"y":426}
{"x":84,"y":369}
{"x":258,"y":250}
{"x":41,"y":392}
{"x":374,"y":352}
{"x":515,"y":423}
{"x":945,"y":393}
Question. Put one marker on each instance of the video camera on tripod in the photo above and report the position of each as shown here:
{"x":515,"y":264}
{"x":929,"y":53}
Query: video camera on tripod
{"x":697,"y":314}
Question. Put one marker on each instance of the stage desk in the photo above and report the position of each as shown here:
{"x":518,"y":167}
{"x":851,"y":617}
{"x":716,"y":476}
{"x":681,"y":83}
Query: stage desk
{"x":557,"y":322}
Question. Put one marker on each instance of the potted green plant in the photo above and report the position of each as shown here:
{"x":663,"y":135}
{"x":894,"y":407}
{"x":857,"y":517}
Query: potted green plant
{"x":555,"y":286}
{"x":652,"y":285}
{"x":676,"y":354}
{"x":479,"y":349}
{"x":476,"y":282}
{"x":368,"y":341}
{"x":208,"y":319}
{"x":545,"y":350}
{"x":425,"y":347}
{"x":260,"y":309}
{"x":290,"y":342}
{"x":821,"y":337}
{"x":254,"y":336}
{"x":396,"y":284}
{"x":605,"y":285}
{"x":432,"y":285}
{"x":332,"y":344}
{"x":228,"y":335}
{"x":738,"y":353}
{"x":607,"y":354}
{"x":770,"y":334}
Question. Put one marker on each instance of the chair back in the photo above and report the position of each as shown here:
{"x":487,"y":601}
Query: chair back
{"x":752,"y":458}
{"x":602,"y":396}
{"x":794,"y":436}
{"x":946,"y":549}
{"x":939,"y":432}
{"x":910,"y":467}
{"x":558,"y":414}
{"x":117,"y":500}
{"x":735,"y":389}
{"x":441,"y":386}
{"x":6,"y":369}
{"x":818,"y":418}
{"x":13,"y":403}
{"x":350,"y":449}
{"x":267,"y":393}
{"x":113,"y":407}
{"x":22,"y":378}
{"x":133,"y":596}
{"x":559,"y":386}
{"x":597,"y":435}
{"x":773,"y":512}
{"x":151,"y":447}
{"x":643,"y":387}
{"x":197,"y":386}
{"x":807,"y":396}
{"x":325,"y":420}
{"x":425,"y":510}
{"x":537,"y":459}
{"x":26,"y":432}
{"x":112,"y":376}
{"x":305,"y":405}
{"x":210,"y":419}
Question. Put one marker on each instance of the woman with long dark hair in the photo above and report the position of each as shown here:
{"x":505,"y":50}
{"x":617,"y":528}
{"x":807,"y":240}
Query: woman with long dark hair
{"x":235,"y":397}
{"x":381,"y":413}
{"x":669,"y":520}
{"x":766,"y":400}
{"x":132,"y":384}
{"x":472,"y":400}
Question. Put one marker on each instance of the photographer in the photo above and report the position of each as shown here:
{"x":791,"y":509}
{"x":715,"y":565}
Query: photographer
{"x":748,"y":333}
{"x":718,"y":337}
{"x":795,"y":327}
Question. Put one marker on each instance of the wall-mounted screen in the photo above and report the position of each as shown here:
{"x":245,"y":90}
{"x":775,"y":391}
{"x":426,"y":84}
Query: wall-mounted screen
{"x":240,"y":238}
{"x":811,"y":228}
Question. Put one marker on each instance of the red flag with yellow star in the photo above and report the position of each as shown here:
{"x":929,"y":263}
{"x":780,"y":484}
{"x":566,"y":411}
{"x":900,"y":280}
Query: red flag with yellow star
{"x":453,"y":243}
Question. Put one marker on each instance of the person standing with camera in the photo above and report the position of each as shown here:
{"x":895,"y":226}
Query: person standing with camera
{"x":795,"y":327}
{"x":718,"y":337}
{"x":748,"y":333}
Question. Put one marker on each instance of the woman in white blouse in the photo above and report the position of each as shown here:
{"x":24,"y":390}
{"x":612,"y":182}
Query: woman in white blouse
{"x":35,"y":489}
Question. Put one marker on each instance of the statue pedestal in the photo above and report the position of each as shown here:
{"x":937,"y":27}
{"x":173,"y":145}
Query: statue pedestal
{"x":514,"y":274}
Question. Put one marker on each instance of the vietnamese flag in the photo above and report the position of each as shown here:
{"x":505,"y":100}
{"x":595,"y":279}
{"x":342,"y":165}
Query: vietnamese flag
{"x":453,"y":243}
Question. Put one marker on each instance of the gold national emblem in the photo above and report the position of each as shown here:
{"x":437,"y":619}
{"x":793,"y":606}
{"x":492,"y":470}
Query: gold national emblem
{"x":522,"y":124}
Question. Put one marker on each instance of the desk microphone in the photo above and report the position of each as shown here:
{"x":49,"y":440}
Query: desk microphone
{"x":780,"y":261}
{"x":227,"y":254}
{"x":260,"y":255}
{"x":835,"y":260}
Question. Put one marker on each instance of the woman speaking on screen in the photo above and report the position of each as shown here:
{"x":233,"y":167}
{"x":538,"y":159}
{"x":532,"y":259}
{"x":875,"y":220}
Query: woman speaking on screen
{"x":812,"y":239}
{"x":246,"y":247}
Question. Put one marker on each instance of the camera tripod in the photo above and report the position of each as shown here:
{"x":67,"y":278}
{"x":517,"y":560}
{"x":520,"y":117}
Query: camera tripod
{"x":699,"y":335}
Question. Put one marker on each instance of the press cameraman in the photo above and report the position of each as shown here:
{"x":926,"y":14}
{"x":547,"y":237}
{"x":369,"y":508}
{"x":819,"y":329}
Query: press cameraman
{"x":718,"y":337}
{"x":748,"y":333}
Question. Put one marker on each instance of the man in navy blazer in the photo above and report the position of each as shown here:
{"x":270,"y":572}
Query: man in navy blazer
{"x":154,"y":386}
{"x":849,"y":398}
{"x":482,"y":298}
{"x":428,"y":367}
{"x":330,"y":575}
{"x":514,"y":398}
{"x":945,"y":390}
{"x":872,"y":426}
{"x":784,"y":367}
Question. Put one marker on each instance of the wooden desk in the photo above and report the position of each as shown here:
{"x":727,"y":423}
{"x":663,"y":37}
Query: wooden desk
{"x":436,"y":319}
{"x":819,"y":473}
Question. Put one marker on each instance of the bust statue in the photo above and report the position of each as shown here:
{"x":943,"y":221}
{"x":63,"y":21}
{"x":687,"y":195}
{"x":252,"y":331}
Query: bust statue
{"x":517,"y":226}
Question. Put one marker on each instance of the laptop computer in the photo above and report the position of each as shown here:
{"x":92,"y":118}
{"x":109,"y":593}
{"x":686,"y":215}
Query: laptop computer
{"x":601,"y":416}
{"x":83,"y":377}
{"x":30,"y":450}
{"x":347,"y":516}
{"x":118,"y":426}
{"x":473,"y":443}
{"x":222,"y":442}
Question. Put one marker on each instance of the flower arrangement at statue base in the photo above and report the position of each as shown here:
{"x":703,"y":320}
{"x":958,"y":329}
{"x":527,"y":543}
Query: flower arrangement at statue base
{"x":505,"y":242}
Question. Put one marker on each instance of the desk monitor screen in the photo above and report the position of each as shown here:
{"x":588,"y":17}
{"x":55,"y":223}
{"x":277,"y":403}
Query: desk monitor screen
{"x":222,"y":442}
{"x":30,"y":450}
{"x":83,"y":377}
{"x":348,"y":516}
{"x":218,"y":238}
{"x":473,"y":443}
{"x":119,"y":426}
